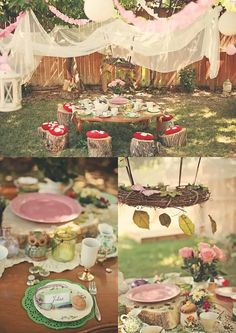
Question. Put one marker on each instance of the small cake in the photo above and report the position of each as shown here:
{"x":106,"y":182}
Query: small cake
{"x":78,"y":302}
{"x":188,"y":307}
{"x":188,"y":314}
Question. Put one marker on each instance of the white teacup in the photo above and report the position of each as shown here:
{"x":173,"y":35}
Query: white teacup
{"x":114,"y":111}
{"x":152,"y":329}
{"x":209,"y":321}
{"x":150,"y":104}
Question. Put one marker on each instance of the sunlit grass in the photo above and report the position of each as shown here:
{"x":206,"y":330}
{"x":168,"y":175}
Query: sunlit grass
{"x":209,"y":119}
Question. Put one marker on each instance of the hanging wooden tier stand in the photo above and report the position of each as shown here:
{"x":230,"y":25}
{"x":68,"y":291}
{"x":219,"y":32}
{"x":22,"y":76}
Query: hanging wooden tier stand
{"x":181,"y":196}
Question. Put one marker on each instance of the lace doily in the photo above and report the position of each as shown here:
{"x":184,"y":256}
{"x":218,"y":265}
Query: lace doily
{"x":38,"y":318}
{"x":49,"y":264}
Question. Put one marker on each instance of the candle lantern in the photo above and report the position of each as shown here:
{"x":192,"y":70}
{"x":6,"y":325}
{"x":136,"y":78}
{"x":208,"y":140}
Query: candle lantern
{"x":10,"y":91}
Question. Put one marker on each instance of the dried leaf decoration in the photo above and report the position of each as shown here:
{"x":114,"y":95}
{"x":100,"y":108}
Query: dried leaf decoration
{"x":186,"y":225}
{"x":141,"y":219}
{"x":213,"y":224}
{"x":165,"y":220}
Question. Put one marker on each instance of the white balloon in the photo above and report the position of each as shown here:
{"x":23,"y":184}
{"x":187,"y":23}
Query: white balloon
{"x":99,"y":10}
{"x":227,"y":24}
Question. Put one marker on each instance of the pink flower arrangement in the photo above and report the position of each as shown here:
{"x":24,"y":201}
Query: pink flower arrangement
{"x":186,"y":252}
{"x":117,"y":86}
{"x":202,"y":262}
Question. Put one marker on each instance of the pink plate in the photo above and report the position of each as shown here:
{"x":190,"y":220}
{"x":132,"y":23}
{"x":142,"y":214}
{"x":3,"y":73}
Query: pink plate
{"x":153,"y":293}
{"x":45,"y":207}
{"x":119,"y":101}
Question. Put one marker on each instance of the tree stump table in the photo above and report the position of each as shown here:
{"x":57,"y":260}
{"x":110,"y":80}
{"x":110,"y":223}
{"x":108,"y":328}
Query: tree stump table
{"x":63,"y":116}
{"x":178,"y":139}
{"x":99,"y":147}
{"x":164,"y":314}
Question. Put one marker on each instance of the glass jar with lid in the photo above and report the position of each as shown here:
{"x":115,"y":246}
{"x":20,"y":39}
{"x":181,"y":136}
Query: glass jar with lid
{"x":9,"y":241}
{"x":63,"y":245}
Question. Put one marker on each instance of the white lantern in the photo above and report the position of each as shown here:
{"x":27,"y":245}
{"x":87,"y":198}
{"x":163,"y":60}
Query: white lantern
{"x":99,"y":10}
{"x":10,"y":91}
{"x":227,"y":24}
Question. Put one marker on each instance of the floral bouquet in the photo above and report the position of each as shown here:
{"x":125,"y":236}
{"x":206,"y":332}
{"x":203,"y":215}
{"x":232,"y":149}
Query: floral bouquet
{"x":202,"y":263}
{"x":89,"y":195}
{"x":117,"y":86}
{"x":202,"y":298}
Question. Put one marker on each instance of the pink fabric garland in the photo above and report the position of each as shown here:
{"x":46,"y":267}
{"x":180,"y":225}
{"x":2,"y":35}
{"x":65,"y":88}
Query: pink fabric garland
{"x":66,"y":18}
{"x":180,"y":20}
{"x":10,"y":28}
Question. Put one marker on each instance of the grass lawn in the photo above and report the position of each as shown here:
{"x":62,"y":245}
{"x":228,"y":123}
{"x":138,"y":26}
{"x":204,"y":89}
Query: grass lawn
{"x":149,"y":259}
{"x":209,"y":118}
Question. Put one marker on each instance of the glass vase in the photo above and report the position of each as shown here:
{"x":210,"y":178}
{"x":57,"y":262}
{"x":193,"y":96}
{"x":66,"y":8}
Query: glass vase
{"x":63,"y":246}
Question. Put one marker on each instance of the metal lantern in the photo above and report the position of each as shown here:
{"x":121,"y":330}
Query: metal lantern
{"x":10,"y":91}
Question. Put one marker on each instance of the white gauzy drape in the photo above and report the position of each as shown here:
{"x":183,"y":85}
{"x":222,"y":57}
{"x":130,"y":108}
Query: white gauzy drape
{"x":164,"y":52}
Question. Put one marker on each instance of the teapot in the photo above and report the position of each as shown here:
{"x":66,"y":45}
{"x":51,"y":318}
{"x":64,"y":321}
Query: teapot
{"x":106,"y":238}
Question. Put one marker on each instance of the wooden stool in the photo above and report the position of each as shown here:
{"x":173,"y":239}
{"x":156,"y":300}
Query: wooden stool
{"x":57,"y":139}
{"x":144,"y":148}
{"x":99,"y":147}
{"x":63,"y":116}
{"x":178,"y":139}
{"x":42,"y":132}
{"x":166,"y":122}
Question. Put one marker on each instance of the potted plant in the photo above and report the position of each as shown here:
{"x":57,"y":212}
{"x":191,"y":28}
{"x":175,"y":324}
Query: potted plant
{"x":202,"y":263}
{"x":117,"y":86}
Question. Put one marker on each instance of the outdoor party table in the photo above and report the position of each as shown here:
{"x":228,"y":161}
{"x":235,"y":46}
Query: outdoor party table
{"x":143,"y":117}
{"x":14,"y":319}
{"x":167,"y":313}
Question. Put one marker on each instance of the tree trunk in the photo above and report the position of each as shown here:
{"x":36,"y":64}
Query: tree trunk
{"x":144,"y":148}
{"x":55,"y":144}
{"x":174,"y":140}
{"x":99,"y":147}
{"x":63,"y":116}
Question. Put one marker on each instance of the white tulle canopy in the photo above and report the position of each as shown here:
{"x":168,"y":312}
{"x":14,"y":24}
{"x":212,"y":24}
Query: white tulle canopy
{"x":164,"y":52}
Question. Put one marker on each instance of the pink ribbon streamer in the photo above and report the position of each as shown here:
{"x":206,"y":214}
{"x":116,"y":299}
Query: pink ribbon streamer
{"x":66,"y":18}
{"x":10,"y":28}
{"x":180,"y":20}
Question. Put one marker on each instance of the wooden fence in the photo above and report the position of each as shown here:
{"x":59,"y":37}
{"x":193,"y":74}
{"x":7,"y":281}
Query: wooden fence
{"x":52,"y":71}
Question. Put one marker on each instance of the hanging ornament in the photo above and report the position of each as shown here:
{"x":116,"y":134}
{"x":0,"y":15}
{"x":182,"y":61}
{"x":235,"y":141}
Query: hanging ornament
{"x":99,"y":10}
{"x":227,"y":24}
{"x":230,"y":49}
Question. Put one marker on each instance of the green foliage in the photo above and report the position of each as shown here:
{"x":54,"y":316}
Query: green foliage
{"x":187,"y":79}
{"x":58,"y":169}
{"x":26,"y":89}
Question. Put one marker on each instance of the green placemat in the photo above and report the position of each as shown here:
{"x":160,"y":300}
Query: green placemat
{"x":37,"y":317}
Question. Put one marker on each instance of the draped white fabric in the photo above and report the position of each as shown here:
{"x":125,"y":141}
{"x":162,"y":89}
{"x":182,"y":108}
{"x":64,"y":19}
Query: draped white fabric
{"x":161,"y":52}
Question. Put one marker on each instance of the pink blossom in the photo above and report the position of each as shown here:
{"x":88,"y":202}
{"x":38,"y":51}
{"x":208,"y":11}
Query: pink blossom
{"x":186,"y":252}
{"x":137,"y":187}
{"x":207,"y":254}
{"x":219,"y":254}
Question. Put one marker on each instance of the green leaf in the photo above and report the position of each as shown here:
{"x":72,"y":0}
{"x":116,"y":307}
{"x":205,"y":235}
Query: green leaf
{"x":213,"y":224}
{"x":186,"y":225}
{"x":172,"y":194}
{"x":141,"y":219}
{"x":165,"y":220}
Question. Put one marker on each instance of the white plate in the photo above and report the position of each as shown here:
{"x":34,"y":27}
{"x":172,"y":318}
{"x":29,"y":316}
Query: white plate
{"x":225,"y":292}
{"x":67,"y":314}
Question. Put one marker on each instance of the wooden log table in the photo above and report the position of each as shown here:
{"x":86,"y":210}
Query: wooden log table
{"x":14,"y":319}
{"x":144,"y":117}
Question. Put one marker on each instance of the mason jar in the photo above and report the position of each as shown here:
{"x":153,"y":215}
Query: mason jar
{"x":63,"y":246}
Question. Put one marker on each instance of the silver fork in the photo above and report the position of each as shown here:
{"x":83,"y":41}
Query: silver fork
{"x":93,"y":292}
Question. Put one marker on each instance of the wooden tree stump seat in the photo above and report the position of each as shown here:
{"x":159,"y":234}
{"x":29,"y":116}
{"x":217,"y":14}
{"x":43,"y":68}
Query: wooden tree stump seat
{"x":99,"y":147}
{"x":42,"y":132}
{"x":55,"y":144}
{"x":144,"y":148}
{"x":63,"y":116}
{"x":178,"y":139}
